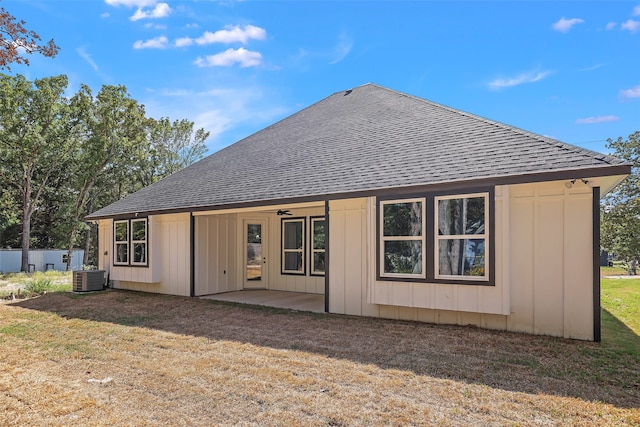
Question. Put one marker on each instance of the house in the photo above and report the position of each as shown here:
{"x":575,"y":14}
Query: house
{"x":388,"y":205}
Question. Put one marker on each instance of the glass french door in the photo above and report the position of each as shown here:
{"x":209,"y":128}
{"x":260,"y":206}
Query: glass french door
{"x":255,"y":256}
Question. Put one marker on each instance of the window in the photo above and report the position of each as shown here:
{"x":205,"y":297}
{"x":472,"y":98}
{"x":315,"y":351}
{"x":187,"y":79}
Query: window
{"x":318,"y":239}
{"x":402,"y":242}
{"x":437,"y":238}
{"x":293,"y":246}
{"x":461,"y":239}
{"x":121,"y":242}
{"x":139,"y":241}
{"x":130,"y":242}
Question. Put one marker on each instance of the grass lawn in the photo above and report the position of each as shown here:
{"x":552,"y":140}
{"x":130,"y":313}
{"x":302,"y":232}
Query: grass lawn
{"x":127,"y":358}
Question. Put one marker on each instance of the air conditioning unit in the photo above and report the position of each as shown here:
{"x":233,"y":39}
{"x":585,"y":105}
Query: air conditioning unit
{"x":88,"y":280}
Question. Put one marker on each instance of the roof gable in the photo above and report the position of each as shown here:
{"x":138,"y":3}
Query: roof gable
{"x":357,"y":141}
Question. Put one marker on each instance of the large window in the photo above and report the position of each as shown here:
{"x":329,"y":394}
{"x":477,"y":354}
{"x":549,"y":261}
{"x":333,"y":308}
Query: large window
{"x":318,"y":242}
{"x":461,"y":240}
{"x":130,"y":245}
{"x":440,"y":238}
{"x":293,"y":246}
{"x":402,"y":226}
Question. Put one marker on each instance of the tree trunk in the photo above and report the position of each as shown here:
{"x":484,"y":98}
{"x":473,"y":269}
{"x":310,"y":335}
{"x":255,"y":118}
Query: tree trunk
{"x":26,"y":235}
{"x":26,"y":227}
{"x":87,"y":245}
{"x":72,"y":238}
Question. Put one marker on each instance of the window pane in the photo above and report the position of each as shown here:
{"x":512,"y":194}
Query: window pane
{"x":140,"y":252}
{"x":293,"y":261}
{"x":122,"y":231}
{"x":293,"y":235}
{"x":403,"y":257}
{"x":139,"y":230}
{"x":318,"y":262}
{"x":122,"y":252}
{"x":318,"y":234}
{"x":402,"y":219}
{"x":461,"y":216}
{"x":461,"y":257}
{"x":254,"y":252}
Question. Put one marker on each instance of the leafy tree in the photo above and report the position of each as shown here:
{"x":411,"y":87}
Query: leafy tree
{"x":172,"y":147}
{"x":112,"y":131}
{"x":620,"y":210}
{"x":15,"y":40}
{"x":35,"y":130}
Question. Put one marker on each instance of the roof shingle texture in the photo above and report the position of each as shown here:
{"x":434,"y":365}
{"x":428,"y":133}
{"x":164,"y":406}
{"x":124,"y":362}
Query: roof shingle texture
{"x":366,"y":139}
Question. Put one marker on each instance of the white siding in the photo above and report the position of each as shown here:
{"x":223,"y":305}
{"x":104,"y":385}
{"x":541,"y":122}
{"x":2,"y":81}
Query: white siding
{"x":451,"y":297}
{"x":169,"y":257}
{"x":349,"y":257}
{"x":543,"y":265}
{"x":215,"y":254}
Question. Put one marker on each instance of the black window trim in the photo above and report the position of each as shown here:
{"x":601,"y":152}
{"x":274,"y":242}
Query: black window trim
{"x":129,"y":262}
{"x":429,"y":237}
{"x":311,"y":248}
{"x":284,"y":272}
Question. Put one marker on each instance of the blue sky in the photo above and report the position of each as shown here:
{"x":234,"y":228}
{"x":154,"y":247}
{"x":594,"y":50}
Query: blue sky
{"x":569,"y":70}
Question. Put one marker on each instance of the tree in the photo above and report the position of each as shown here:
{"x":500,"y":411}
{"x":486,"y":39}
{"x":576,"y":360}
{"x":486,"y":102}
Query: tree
{"x":15,"y":40}
{"x":620,"y":210}
{"x":112,"y":132}
{"x":35,"y":137}
{"x":173,"y":146}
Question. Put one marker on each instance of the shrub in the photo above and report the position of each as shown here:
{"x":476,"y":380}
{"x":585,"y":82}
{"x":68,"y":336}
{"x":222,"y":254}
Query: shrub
{"x":38,"y":286}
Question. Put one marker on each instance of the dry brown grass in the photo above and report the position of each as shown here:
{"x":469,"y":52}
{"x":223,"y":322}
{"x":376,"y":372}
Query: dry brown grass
{"x":181,"y":361}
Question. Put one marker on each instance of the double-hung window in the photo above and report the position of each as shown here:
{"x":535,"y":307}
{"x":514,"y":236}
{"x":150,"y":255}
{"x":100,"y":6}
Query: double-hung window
{"x":293,"y":246}
{"x":402,"y":242}
{"x":130,"y":242}
{"x":139,"y":241}
{"x":318,"y":239}
{"x":461,"y":236}
{"x":439,"y":238}
{"x":121,"y":242}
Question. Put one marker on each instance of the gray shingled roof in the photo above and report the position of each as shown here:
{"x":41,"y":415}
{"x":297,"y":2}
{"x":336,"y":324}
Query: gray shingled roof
{"x":364,"y":140}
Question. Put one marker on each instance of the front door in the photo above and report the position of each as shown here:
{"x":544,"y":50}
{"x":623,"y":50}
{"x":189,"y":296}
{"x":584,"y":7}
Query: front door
{"x":255,"y":254}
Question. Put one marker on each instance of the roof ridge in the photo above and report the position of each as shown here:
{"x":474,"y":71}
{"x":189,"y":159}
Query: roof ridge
{"x":546,"y":139}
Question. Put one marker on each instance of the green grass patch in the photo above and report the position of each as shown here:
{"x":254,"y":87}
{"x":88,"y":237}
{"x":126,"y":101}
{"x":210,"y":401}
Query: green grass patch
{"x":616,"y":270}
{"x":621,"y":297}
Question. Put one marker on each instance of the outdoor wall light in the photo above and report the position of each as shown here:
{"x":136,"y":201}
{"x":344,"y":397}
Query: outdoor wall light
{"x":573,"y":181}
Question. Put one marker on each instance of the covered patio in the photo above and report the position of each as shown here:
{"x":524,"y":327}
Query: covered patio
{"x":300,"y":301}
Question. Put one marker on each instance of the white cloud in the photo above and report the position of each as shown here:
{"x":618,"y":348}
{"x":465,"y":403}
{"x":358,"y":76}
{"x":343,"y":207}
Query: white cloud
{"x":183,"y":42}
{"x":529,"y":77}
{"x":342,"y":49}
{"x":636,"y":11}
{"x":233,"y":34}
{"x":155,"y":43}
{"x":84,"y":55}
{"x":611,"y":25}
{"x":229,"y":57}
{"x":162,"y":10}
{"x":564,"y":25}
{"x":630,"y":25}
{"x":131,"y":3}
{"x":598,"y":119}
{"x":219,"y":110}
{"x":634,"y":92}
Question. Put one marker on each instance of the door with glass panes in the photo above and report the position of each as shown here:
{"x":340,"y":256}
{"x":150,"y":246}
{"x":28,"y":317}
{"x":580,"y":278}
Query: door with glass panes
{"x":255,"y":254}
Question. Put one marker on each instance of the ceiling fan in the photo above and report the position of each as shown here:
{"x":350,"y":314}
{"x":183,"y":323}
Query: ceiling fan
{"x":281,"y":212}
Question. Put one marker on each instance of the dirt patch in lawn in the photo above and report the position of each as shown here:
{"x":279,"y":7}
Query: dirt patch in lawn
{"x":129,"y":358}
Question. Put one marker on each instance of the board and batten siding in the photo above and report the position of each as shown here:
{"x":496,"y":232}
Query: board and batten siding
{"x":543,"y":267}
{"x":220,"y":257}
{"x":215,"y":254}
{"x":168,"y":271}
